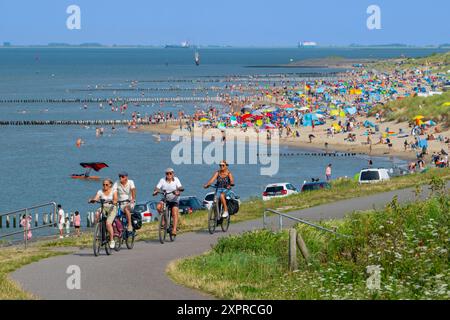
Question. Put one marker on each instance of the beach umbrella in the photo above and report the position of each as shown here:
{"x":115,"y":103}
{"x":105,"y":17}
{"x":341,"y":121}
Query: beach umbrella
{"x":246,"y":117}
{"x":269,"y":126}
{"x":203,"y":119}
{"x":334,"y":113}
{"x":304,"y":109}
{"x":418,"y":117}
{"x":259,"y":123}
{"x":257,"y":113}
{"x":319,"y":116}
{"x":287,"y":105}
{"x":446,"y":104}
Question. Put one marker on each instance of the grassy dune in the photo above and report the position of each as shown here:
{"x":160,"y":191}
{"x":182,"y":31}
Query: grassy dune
{"x":432,"y":108}
{"x":409,"y":243}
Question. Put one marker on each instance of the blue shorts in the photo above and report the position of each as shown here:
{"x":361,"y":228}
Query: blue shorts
{"x":222,"y":190}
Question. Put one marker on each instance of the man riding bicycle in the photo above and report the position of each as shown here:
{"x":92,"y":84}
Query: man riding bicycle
{"x":172,"y":187}
{"x":224,"y":181}
{"x":125,"y":191}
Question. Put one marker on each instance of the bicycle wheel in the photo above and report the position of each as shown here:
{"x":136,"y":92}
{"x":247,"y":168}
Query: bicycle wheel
{"x":212,"y":219}
{"x":118,"y":242}
{"x":225,"y":223}
{"x":171,"y":237}
{"x":106,"y":237}
{"x":130,"y":240}
{"x":97,"y":243}
{"x":162,"y":227}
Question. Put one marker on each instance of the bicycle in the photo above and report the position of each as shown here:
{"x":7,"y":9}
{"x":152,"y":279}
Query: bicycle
{"x":101,"y":238}
{"x":215,"y":215}
{"x":166,"y":215}
{"x":121,"y":234}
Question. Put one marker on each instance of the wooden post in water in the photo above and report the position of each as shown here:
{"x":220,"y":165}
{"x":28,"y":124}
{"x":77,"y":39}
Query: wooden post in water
{"x":7,"y":222}
{"x":44,"y":218}
{"x":292,"y":250}
{"x":302,"y":246}
{"x":88,"y":225}
{"x":14,"y":221}
{"x":36,"y":219}
{"x":1,"y":222}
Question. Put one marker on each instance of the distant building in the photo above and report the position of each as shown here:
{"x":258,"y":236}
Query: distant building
{"x":7,"y":44}
{"x":307,"y":44}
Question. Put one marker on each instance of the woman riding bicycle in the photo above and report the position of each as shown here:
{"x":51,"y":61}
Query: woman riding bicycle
{"x":106,"y":194}
{"x":224,"y":181}
{"x":170,"y":185}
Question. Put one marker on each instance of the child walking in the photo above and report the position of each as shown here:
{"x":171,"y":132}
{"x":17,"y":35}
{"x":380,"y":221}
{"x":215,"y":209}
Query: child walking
{"x":77,"y":223}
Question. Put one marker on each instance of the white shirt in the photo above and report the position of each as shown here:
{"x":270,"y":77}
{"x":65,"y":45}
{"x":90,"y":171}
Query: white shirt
{"x":166,"y":186}
{"x":124,"y":192}
{"x":61,"y":216}
{"x":102,"y":196}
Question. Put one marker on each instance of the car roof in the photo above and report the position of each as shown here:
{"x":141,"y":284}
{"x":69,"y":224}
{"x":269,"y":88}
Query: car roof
{"x":278,"y":184}
{"x":315,"y":182}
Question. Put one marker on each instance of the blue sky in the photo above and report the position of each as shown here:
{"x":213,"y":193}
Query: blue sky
{"x":225,"y":22}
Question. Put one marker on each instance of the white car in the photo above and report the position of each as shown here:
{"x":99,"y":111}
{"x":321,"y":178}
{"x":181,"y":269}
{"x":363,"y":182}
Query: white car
{"x":209,"y":198}
{"x":373,"y":175}
{"x":278,"y":190}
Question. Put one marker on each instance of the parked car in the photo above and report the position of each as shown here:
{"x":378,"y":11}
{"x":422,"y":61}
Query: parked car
{"x":373,"y":175}
{"x":189,"y":204}
{"x":277,"y":190}
{"x":148,"y":211}
{"x":209,"y":198}
{"x":317,"y":185}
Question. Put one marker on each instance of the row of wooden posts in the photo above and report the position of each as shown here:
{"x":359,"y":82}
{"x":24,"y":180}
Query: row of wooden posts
{"x":13,"y":221}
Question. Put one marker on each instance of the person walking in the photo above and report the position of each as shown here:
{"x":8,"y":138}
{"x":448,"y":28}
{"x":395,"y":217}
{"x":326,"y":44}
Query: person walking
{"x":328,"y":172}
{"x":61,"y":217}
{"x":77,"y":223}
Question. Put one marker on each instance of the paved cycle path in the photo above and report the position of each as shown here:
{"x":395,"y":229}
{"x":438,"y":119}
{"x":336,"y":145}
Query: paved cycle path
{"x":140,"y":273}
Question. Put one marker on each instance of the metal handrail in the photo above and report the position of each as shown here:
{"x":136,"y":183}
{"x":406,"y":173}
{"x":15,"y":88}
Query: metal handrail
{"x":280,"y":222}
{"x":26,"y":229}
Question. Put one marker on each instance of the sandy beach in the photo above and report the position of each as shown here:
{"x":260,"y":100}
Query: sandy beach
{"x":337,"y":142}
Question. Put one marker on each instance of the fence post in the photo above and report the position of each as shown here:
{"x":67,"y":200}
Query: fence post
{"x":14,"y":221}
{"x":44,"y":218}
{"x":1,"y":222}
{"x":292,"y":250}
{"x":36,"y":219}
{"x":302,"y":246}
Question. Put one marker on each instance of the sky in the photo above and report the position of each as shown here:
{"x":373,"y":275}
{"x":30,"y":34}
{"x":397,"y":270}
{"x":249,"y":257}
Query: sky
{"x":225,"y":22}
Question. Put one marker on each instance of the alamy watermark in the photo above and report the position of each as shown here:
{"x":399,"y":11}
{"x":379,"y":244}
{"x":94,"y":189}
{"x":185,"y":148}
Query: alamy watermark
{"x":73,"y":282}
{"x":230,"y":145}
{"x":73,"y":22}
{"x":373,"y":282}
{"x":374,"y":20}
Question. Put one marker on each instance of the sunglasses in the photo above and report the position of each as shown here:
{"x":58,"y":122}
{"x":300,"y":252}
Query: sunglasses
{"x":222,"y":165}
{"x":106,"y":184}
{"x":169,"y":172}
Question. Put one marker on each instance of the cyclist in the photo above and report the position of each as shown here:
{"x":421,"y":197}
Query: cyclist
{"x":172,"y":186}
{"x":125,"y":190}
{"x":224,"y":181}
{"x":110,"y":207}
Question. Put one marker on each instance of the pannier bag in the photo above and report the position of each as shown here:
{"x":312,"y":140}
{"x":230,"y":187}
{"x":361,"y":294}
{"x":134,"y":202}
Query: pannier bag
{"x":233,"y":206}
{"x":136,"y":220}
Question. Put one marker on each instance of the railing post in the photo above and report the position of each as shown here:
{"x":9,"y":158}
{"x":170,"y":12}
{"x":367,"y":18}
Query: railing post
{"x":293,"y":250}
{"x":1,"y":222}
{"x":26,"y":228}
{"x":36,"y":219}
{"x":14,"y":221}
{"x":302,"y":246}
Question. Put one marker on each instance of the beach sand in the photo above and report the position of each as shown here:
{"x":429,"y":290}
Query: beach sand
{"x":337,"y":142}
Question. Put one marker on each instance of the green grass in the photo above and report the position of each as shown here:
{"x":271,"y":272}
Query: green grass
{"x":409,"y":243}
{"x":432,"y":108}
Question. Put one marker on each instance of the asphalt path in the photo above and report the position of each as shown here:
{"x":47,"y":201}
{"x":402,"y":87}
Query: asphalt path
{"x":140,"y":273}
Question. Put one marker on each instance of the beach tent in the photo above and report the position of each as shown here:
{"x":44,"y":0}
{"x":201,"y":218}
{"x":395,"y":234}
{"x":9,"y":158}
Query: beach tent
{"x":337,"y":127}
{"x":368,"y":124}
{"x":351,"y":110}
